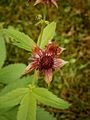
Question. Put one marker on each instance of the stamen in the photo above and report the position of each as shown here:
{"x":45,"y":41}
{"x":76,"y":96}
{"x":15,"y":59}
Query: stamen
{"x":46,"y":62}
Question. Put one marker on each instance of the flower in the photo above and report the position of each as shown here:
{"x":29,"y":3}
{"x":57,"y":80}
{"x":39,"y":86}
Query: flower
{"x":46,"y":61}
{"x":46,"y":2}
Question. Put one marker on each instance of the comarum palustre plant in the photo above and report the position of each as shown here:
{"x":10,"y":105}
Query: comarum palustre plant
{"x":45,"y":58}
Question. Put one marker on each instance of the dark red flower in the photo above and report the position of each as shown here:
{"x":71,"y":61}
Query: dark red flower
{"x":46,"y":2}
{"x":46,"y":60}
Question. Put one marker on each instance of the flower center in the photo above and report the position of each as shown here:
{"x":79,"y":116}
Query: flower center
{"x":46,"y":62}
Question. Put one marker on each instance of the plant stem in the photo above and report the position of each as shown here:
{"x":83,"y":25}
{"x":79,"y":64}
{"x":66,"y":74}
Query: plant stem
{"x":35,"y":77}
{"x":43,"y":25}
{"x":36,"y":73}
{"x":44,"y":13}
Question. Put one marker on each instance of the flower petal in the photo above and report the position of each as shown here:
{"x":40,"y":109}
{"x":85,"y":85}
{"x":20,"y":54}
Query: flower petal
{"x":58,"y":63}
{"x":60,"y":50}
{"x":37,"y":2}
{"x":48,"y":76}
{"x":30,"y":67}
{"x":47,"y":2}
{"x":37,"y":52}
{"x":53,"y":49}
{"x":54,"y":3}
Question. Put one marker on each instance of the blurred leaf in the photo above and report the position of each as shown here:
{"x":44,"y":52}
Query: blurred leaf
{"x":47,"y":98}
{"x":20,"y":83}
{"x":20,"y":39}
{"x":2,"y":51}
{"x":27,"y":109}
{"x":11,"y":72}
{"x":8,"y":114}
{"x":44,"y":115}
{"x":12,"y":98}
{"x":48,"y":34}
{"x":3,"y":118}
{"x":12,"y":113}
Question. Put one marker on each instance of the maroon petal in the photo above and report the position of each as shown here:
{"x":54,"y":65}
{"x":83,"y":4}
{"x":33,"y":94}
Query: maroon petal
{"x":58,"y":63}
{"x":53,"y":49}
{"x":37,"y":52}
{"x":30,"y":67}
{"x":60,"y":50}
{"x":48,"y":76}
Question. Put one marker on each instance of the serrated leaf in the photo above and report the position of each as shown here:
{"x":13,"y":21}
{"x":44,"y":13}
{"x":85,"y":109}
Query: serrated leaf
{"x":47,"y":98}
{"x":27,"y":109}
{"x":48,"y":34}
{"x":12,"y":98}
{"x":44,"y":115}
{"x":11,"y":72}
{"x":20,"y":83}
{"x":2,"y":51}
{"x":20,"y":39}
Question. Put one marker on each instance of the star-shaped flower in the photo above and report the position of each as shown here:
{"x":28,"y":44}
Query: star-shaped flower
{"x":46,"y":61}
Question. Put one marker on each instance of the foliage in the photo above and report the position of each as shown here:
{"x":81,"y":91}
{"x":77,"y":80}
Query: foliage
{"x":19,"y":83}
{"x":10,"y":114}
{"x":20,"y":39}
{"x":11,"y":73}
{"x":47,"y":98}
{"x":27,"y":98}
{"x":42,"y":114}
{"x":12,"y":98}
{"x":27,"y":109}
{"x":48,"y":34}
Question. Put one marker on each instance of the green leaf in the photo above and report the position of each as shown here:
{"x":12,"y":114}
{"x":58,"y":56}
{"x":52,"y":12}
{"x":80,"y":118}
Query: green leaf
{"x":44,"y":115}
{"x":27,"y":109}
{"x":8,"y":114}
{"x":12,"y":98}
{"x":20,"y":39}
{"x":2,"y":51}
{"x":2,"y":118}
{"x":11,"y":72}
{"x":47,"y":98}
{"x":20,"y":83}
{"x":48,"y":34}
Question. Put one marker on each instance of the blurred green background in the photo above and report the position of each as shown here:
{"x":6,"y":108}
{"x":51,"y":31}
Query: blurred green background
{"x":72,"y":82}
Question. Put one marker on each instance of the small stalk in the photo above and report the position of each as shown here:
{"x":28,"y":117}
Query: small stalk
{"x":36,"y":73}
{"x":43,"y":25}
{"x":35,"y":77}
